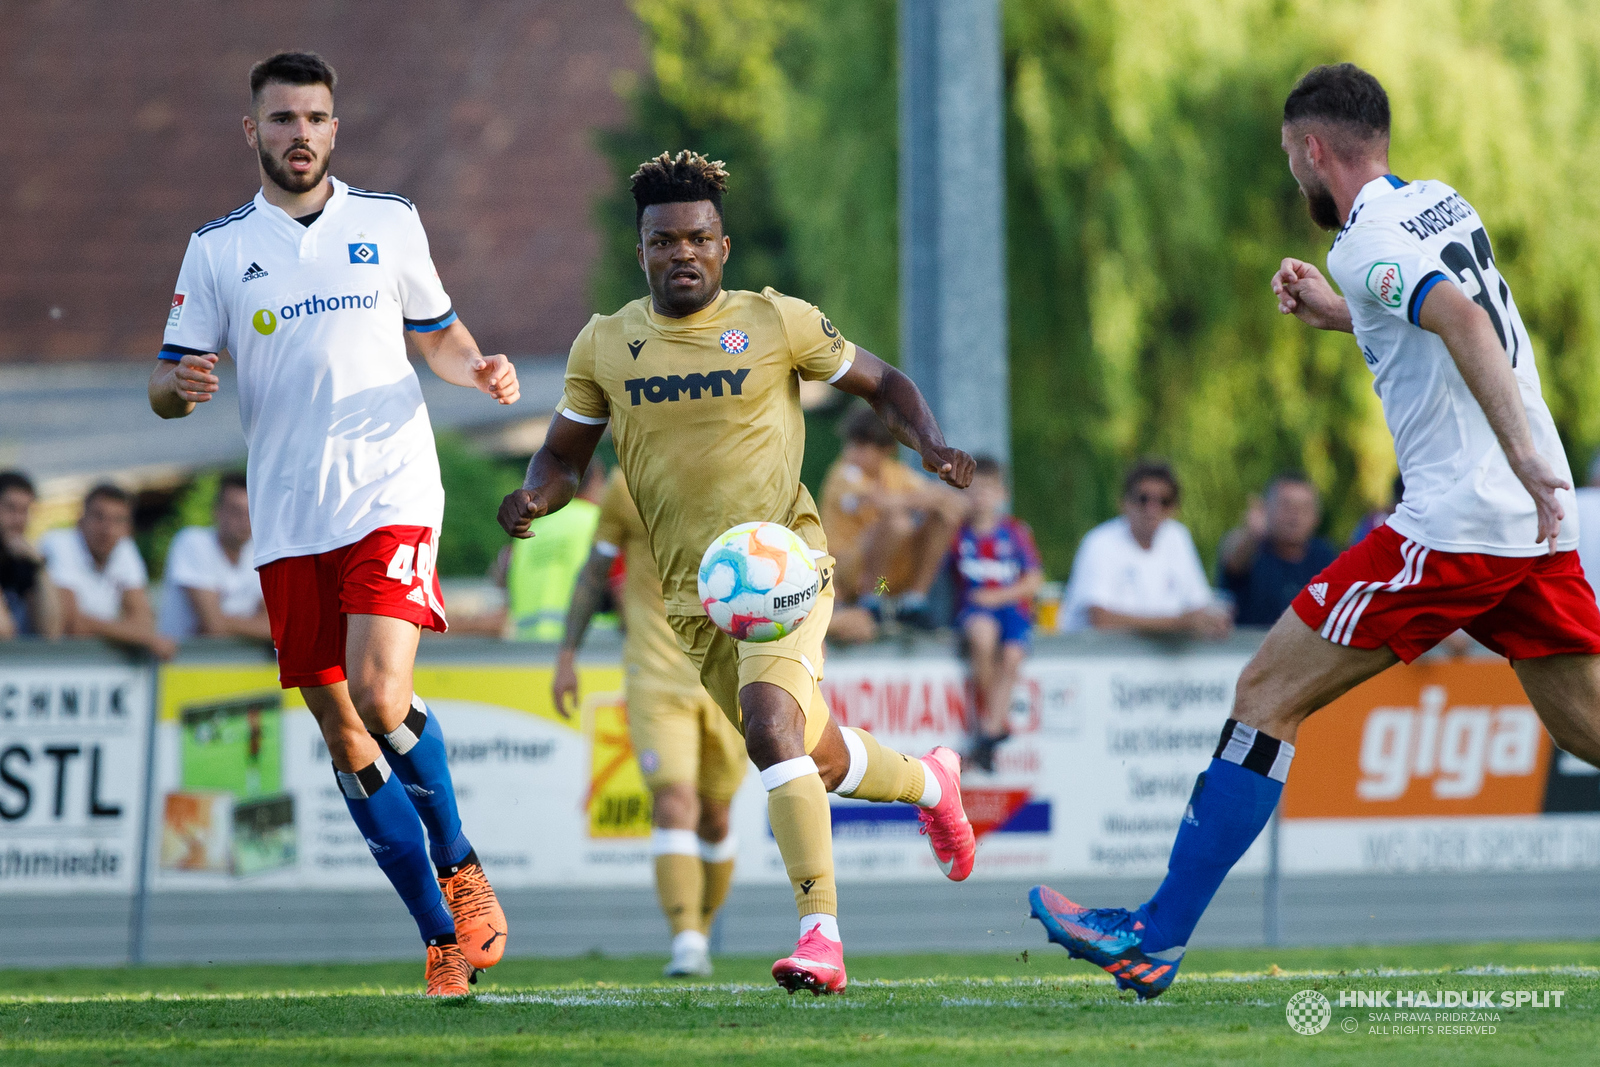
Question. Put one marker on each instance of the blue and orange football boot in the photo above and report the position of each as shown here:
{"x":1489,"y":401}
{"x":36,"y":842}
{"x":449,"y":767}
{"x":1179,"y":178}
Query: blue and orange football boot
{"x":1109,"y":938}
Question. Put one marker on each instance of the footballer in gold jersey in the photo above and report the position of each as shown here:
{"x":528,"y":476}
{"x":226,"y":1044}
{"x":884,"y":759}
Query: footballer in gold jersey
{"x":701,"y":389}
{"x":692,"y":756}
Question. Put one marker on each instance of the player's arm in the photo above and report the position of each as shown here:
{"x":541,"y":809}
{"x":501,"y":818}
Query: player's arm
{"x":1303,"y":292}
{"x":553,"y":474}
{"x":453,"y":355}
{"x":587,"y":596}
{"x":176,"y":386}
{"x":1475,"y":346}
{"x":900,"y":404}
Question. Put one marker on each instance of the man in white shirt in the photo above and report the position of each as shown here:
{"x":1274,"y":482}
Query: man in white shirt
{"x":312,"y":287}
{"x":212,"y":588}
{"x":1483,"y":539}
{"x":1140,"y":572}
{"x":100,"y":578}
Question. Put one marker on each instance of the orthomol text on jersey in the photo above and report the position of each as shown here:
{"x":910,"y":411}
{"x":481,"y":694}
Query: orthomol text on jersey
{"x":673,"y":386}
{"x":266,"y":321}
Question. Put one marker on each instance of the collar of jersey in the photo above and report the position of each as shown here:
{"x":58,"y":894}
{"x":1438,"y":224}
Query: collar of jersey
{"x":1375,"y":188}
{"x":283,"y":219}
{"x":662,"y":322}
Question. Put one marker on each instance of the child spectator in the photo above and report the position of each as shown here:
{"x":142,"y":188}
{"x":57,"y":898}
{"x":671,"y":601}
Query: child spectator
{"x":998,"y":572}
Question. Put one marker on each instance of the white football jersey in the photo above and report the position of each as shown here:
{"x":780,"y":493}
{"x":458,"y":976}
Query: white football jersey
{"x":1401,"y":240}
{"x":314,"y":317}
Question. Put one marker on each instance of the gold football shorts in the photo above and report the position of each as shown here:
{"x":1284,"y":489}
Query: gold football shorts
{"x":683,"y":737}
{"x":792,"y":663}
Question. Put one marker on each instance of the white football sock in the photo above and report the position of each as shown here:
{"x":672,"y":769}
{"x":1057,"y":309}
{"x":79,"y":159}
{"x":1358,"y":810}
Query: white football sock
{"x":689,"y":939}
{"x":932,"y":791}
{"x":828,"y":924}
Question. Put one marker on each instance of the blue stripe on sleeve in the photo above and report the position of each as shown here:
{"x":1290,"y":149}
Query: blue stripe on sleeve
{"x":429,"y":326}
{"x":177,"y":352}
{"x":1429,"y":280}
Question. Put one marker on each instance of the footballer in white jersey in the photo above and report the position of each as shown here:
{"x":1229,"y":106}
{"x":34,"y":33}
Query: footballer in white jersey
{"x":1483,"y":540}
{"x":311,"y":287}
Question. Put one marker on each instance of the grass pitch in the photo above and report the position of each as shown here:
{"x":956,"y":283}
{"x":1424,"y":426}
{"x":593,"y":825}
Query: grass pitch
{"x":1229,"y":1006}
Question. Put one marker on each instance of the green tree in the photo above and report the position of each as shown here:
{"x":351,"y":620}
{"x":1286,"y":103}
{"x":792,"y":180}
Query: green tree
{"x":1148,"y":204}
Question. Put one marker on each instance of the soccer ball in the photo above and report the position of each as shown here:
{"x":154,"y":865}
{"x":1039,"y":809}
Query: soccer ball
{"x":758,"y":581}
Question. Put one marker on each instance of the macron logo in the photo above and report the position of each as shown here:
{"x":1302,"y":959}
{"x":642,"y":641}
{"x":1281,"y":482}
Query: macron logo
{"x":1319,"y":593}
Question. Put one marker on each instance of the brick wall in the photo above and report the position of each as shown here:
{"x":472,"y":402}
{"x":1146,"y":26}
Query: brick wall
{"x":124,"y":135}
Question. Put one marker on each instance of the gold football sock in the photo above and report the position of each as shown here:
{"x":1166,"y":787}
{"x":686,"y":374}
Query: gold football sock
{"x":678,"y":884}
{"x":678,"y":877}
{"x":717,"y":876}
{"x":803,"y":828}
{"x":887,"y":774}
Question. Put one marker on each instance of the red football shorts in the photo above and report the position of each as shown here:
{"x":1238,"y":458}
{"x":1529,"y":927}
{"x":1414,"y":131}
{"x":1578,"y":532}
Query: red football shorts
{"x":1386,"y":590}
{"x":388,"y":572}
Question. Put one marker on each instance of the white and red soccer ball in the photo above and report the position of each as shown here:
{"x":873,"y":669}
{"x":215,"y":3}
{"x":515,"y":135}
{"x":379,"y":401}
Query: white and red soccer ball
{"x":758,"y":581}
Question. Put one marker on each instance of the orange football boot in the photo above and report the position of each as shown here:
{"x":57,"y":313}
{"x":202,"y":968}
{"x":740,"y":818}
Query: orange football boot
{"x":449,"y":974}
{"x":480,"y":922}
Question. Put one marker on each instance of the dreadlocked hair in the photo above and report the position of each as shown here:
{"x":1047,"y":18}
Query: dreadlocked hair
{"x":680,"y":179}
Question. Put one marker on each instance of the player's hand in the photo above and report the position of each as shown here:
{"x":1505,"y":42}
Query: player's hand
{"x":162,"y":647}
{"x":194,"y":380}
{"x":497,"y":376}
{"x":564,"y":686}
{"x":951,"y":464}
{"x":1541,"y":482}
{"x":519,"y":508}
{"x":1303,"y":292}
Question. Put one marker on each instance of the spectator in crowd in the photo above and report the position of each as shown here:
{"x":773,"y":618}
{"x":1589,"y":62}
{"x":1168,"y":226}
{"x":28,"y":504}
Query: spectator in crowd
{"x":888,"y":528}
{"x":1140,"y":572}
{"x":1589,"y":525}
{"x":212,"y":588}
{"x":542,"y":571}
{"x":1267,"y":561}
{"x":101,"y":578}
{"x":998,"y":572}
{"x":1378,"y":516}
{"x":29,"y":603}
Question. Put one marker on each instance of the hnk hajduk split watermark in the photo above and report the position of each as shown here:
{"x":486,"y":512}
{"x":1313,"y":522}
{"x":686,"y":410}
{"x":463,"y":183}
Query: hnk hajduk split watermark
{"x":1415,"y":1013}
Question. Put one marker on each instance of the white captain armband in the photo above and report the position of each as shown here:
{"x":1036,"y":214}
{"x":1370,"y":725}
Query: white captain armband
{"x":844,"y":368}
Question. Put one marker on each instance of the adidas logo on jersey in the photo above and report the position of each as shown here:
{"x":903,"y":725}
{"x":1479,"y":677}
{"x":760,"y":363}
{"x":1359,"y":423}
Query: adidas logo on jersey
{"x":1319,"y":593}
{"x":253,"y":273}
{"x":416,"y":596}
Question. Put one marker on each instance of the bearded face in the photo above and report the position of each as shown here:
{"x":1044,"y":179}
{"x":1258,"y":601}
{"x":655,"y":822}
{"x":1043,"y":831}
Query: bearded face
{"x":298,"y":170}
{"x":1319,"y":202}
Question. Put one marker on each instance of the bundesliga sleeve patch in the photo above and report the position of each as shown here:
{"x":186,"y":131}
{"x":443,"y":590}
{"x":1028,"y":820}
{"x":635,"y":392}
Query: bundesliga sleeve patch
{"x":177,"y":310}
{"x":1385,"y":283}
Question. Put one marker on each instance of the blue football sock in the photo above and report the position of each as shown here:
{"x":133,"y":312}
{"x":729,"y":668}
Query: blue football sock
{"x":389,"y":823}
{"x":1230,"y":805}
{"x":417,"y":753}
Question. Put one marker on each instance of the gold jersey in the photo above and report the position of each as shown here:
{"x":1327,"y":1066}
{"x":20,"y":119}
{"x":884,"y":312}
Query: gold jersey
{"x":705,"y":414}
{"x":651,"y":658}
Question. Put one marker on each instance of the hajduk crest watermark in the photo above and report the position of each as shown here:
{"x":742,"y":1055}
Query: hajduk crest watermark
{"x":1308,"y":1012}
